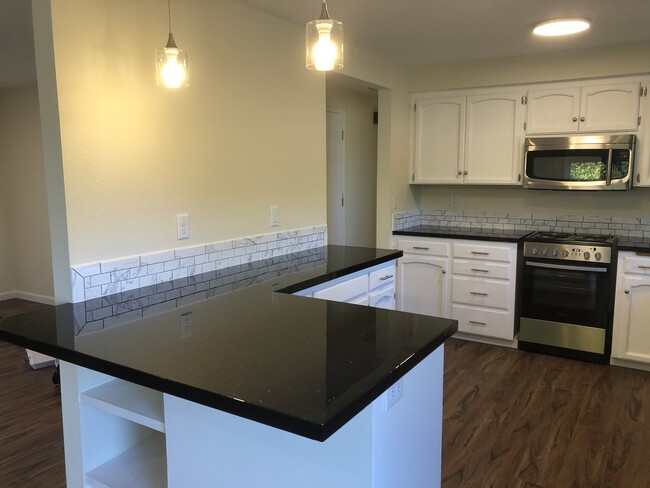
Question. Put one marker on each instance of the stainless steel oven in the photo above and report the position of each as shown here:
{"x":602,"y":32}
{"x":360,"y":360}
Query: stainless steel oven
{"x":567,"y":295}
{"x":579,"y":162}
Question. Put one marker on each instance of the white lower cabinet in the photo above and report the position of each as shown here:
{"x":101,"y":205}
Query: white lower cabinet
{"x":467,"y":280}
{"x":631,"y":331}
{"x":422,"y":285}
{"x":373,"y":286}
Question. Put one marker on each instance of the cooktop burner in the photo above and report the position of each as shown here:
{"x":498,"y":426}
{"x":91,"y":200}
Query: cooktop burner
{"x":568,"y":236}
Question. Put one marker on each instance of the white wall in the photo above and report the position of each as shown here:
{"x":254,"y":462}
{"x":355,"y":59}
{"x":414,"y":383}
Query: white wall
{"x":26,"y":222}
{"x":610,"y":61}
{"x":359,"y":104}
{"x":247,"y":134}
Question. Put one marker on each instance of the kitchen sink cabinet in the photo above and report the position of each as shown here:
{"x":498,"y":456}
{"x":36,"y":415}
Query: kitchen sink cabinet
{"x":631,"y":333}
{"x":469,"y":139}
{"x":592,"y":108}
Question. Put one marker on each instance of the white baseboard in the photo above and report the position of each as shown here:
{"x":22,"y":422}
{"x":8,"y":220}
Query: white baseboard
{"x":32,"y":297}
{"x":625,"y":363}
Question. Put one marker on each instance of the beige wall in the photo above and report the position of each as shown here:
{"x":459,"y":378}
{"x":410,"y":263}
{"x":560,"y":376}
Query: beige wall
{"x":359,"y":104}
{"x":7,"y":274}
{"x":26,"y":224}
{"x":247,"y":134}
{"x":611,"y":61}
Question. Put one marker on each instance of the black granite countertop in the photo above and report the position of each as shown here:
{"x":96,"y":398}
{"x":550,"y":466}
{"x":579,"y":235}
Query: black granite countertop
{"x":232,"y":340}
{"x":473,"y":233}
{"x":636,"y":244}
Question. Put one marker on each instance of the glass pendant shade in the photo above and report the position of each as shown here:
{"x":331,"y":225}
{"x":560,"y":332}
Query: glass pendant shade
{"x":171,"y":66}
{"x":324,"y":43}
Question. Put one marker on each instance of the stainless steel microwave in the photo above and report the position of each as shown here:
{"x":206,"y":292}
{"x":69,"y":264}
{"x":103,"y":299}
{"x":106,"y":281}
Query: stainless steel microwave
{"x":579,"y":162}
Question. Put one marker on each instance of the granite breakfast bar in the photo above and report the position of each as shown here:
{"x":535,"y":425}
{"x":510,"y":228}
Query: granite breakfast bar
{"x":251,"y":387}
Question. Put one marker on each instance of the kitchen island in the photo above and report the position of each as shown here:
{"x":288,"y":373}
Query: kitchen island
{"x":251,"y":386}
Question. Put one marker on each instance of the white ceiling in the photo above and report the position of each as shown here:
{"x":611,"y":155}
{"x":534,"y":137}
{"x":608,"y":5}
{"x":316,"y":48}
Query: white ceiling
{"x":405,"y":32}
{"x":425,"y":32}
{"x":18,"y":65}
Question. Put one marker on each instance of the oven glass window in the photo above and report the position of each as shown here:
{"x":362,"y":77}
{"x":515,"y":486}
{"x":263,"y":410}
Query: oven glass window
{"x":568,"y":296}
{"x":620,"y":163}
{"x":568,"y":165}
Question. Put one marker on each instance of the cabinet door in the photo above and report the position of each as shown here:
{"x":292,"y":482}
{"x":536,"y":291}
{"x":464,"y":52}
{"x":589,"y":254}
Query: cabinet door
{"x":493,"y":152}
{"x":422,"y":284}
{"x":642,"y":150}
{"x":553,"y":111}
{"x":631,"y":324}
{"x":439,"y":138}
{"x":384,"y":298}
{"x":610,"y":107}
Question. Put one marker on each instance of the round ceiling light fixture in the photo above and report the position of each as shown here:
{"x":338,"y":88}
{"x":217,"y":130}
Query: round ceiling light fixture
{"x":561,"y":27}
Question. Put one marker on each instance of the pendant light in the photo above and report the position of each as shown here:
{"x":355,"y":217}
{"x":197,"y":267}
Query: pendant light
{"x":324,"y":42}
{"x":171,"y":62}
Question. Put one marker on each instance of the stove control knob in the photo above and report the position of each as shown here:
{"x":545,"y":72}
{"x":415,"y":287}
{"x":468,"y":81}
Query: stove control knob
{"x":598,"y":256}
{"x":587,"y":254}
{"x":545,"y":252}
{"x":554,"y":252}
{"x":535,"y":251}
{"x":565,"y":253}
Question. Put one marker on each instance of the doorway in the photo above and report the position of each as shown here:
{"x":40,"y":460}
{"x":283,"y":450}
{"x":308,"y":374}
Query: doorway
{"x":352,"y":115}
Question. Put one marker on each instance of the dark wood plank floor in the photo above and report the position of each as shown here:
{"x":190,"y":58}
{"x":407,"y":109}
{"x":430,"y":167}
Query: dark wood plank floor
{"x":31,"y":434}
{"x":511,"y":419}
{"x":516,"y":419}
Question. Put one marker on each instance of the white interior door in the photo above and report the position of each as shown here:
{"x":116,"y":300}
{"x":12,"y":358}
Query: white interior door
{"x":335,"y":176}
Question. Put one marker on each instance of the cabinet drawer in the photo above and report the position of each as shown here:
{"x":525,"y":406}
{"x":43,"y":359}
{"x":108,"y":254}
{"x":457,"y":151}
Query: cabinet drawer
{"x":383,"y":298}
{"x":637,"y":265}
{"x":481,"y":251}
{"x":485,"y":269}
{"x":344,"y":291}
{"x":491,"y":323}
{"x":433,"y":248}
{"x":383,"y":276}
{"x":481,"y":293}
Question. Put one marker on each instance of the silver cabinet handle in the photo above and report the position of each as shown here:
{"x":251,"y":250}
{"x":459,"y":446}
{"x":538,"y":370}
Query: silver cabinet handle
{"x":575,"y":119}
{"x":477,"y":294}
{"x":627,"y":292}
{"x":473,"y":322}
{"x":421,"y":248}
{"x":460,"y":173}
{"x":465,"y":173}
{"x":480,"y":270}
{"x":477,"y":253}
{"x":582,"y":119}
{"x":643,"y":267}
{"x":384,"y":278}
{"x":444,"y":271}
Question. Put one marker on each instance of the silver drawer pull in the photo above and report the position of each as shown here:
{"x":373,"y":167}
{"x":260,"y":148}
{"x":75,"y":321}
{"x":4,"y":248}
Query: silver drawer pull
{"x":627,"y":292}
{"x":473,"y":322}
{"x":643,"y":267}
{"x":480,"y":270}
{"x":480,"y":253}
{"x":384,"y":278}
{"x":421,"y":248}
{"x":477,"y":294}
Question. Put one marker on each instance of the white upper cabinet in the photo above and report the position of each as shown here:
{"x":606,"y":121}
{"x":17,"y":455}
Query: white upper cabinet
{"x":553,"y":111}
{"x":571,"y":109}
{"x":642,"y":150}
{"x":439,"y":136}
{"x":473,"y":139}
{"x":493,"y":151}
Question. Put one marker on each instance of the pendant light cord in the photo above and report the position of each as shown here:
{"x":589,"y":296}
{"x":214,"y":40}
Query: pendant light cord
{"x":169,"y":11}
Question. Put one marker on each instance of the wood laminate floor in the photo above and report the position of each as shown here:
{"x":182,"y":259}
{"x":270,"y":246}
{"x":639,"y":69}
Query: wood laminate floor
{"x":511,"y":419}
{"x":517,"y":419}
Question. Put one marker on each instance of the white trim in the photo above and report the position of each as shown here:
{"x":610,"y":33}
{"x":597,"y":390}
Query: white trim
{"x":629,"y":364}
{"x":34,"y":297}
{"x":7,"y":295}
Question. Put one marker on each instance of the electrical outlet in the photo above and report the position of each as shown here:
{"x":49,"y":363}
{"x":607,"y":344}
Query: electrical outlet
{"x":454,"y":199}
{"x":394,"y":393}
{"x":275,"y":219}
{"x":183,"y":223}
{"x":186,"y":325}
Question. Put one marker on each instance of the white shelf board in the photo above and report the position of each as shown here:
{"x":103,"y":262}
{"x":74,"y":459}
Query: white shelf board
{"x":144,"y":466}
{"x":129,"y":401}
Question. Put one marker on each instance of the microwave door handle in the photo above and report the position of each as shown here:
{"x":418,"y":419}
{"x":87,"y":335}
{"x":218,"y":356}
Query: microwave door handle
{"x":609,"y":168}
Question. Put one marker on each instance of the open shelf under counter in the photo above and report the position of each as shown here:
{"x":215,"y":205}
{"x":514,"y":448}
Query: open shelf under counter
{"x":143,"y":466}
{"x":129,"y":401}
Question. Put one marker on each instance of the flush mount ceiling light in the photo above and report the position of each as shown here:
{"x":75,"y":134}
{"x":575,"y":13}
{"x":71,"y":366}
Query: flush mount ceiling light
{"x":171,"y":62}
{"x":561,"y":27}
{"x":324,"y":42}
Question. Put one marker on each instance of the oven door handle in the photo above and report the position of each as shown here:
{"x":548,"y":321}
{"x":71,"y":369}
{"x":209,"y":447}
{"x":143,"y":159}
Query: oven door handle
{"x":566,"y":267}
{"x":608,"y":180}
